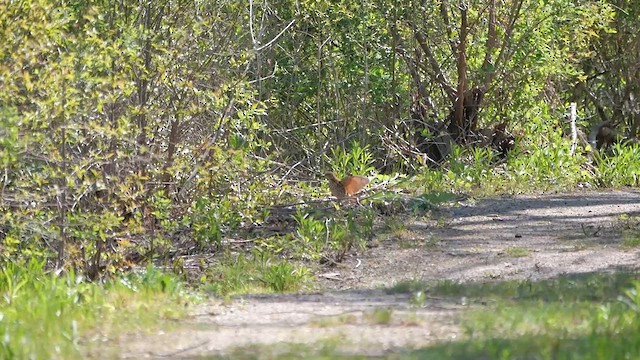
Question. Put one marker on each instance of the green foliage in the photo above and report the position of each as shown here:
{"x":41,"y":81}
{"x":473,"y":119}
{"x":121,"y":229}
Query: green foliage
{"x":47,"y":315}
{"x":463,"y":173}
{"x":631,"y":239}
{"x":584,"y":329}
{"x":211,"y":217}
{"x":284,"y":276}
{"x":117,"y":124}
{"x":548,"y":162}
{"x":310,"y":235}
{"x":516,"y":251}
{"x":482,"y":160}
{"x":588,"y":316}
{"x":124,"y":124}
{"x":333,"y":237}
{"x":149,"y":282}
{"x":357,"y":161}
{"x":539,"y":162}
{"x":379,"y":316}
{"x":254,"y":274}
{"x":581,"y":316}
{"x":621,"y":168}
{"x":109,"y":119}
{"x":351,"y":232}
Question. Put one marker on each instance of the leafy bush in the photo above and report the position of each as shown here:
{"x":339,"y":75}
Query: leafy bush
{"x":620,"y":168}
{"x":333,"y":237}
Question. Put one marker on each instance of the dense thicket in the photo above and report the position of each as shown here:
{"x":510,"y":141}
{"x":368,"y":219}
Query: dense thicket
{"x":130,"y":120}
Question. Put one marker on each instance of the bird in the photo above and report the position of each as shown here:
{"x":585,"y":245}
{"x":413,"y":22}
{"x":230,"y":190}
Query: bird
{"x":346,"y":187}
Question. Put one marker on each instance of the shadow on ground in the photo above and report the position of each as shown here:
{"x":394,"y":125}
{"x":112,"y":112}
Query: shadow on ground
{"x":449,"y":321}
{"x":522,"y":238}
{"x":528,"y":277}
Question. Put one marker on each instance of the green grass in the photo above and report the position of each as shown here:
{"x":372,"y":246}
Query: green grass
{"x":330,"y":321}
{"x":534,"y":329}
{"x":379,"y":316}
{"x":45,"y":315}
{"x":631,"y":238}
{"x":396,"y":225}
{"x":516,"y":251}
{"x":588,"y":316}
{"x":598,"y":287}
{"x":619,"y":168}
{"x":243,"y":274}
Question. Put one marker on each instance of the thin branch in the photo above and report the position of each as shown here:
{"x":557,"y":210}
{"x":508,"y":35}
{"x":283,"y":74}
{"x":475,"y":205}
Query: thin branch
{"x":277,"y":36}
{"x":461,"y":64}
{"x":505,"y":53}
{"x":413,"y":70}
{"x":439,"y":75}
{"x":253,"y":35}
{"x":488,"y":66}
{"x":447,"y":24}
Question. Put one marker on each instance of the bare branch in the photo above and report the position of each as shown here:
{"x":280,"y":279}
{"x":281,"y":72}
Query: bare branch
{"x":462,"y":71}
{"x":488,"y":66}
{"x":447,"y":24}
{"x":438,"y":74}
{"x":505,"y":53}
{"x":277,"y":36}
{"x":411,"y":66}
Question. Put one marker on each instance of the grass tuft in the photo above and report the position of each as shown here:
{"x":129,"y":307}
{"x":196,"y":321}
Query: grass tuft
{"x":46,"y":315}
{"x":516,"y":251}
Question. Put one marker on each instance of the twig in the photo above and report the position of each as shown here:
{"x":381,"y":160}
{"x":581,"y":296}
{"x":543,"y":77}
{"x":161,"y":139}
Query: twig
{"x":173,"y":354}
{"x":358,"y":264}
{"x":277,"y":36}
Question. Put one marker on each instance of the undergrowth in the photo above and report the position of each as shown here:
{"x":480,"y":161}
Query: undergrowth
{"x":126,"y":140}
{"x":47,"y":315}
{"x":254,"y":273}
{"x":44,"y":314}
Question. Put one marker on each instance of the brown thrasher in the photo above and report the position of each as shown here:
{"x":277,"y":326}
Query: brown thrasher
{"x":346,"y":187}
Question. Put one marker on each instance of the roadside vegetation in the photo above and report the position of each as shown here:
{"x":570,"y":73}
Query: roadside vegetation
{"x":585,"y":316}
{"x":147,"y":148}
{"x":46,"y":314}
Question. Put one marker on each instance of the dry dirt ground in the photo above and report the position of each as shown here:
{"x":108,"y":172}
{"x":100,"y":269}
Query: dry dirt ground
{"x":503,"y":238}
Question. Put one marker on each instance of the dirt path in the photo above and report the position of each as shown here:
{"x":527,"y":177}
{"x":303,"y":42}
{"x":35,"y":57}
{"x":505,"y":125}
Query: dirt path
{"x":523,"y":237}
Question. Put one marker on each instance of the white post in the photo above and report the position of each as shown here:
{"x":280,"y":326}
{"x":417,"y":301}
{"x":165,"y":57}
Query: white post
{"x":574,"y":131}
